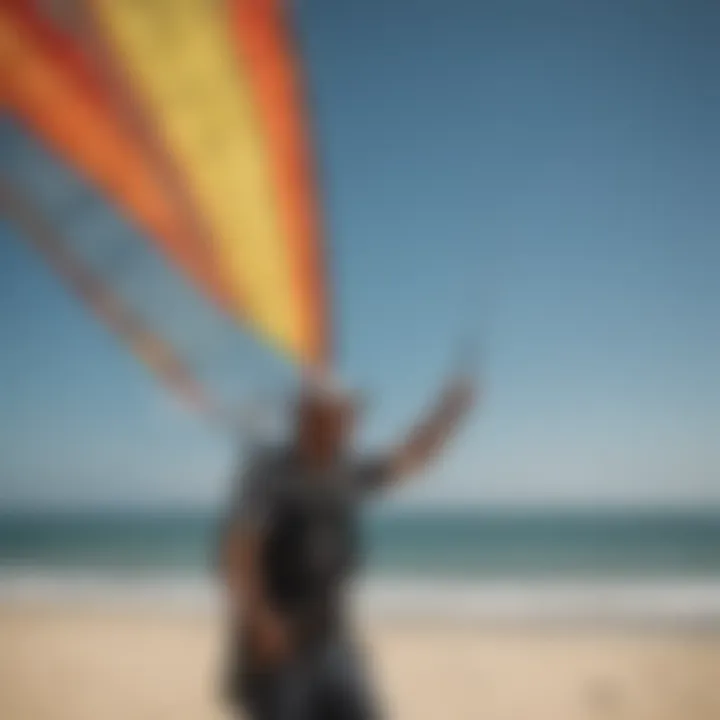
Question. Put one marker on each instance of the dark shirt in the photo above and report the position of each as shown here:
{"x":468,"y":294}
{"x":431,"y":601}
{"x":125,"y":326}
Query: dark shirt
{"x":309,"y":526}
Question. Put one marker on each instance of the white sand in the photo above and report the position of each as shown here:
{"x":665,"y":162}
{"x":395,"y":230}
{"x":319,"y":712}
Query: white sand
{"x":69,"y":663}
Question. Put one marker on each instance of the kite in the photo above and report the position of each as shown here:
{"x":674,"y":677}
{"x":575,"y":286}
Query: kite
{"x":158,"y":155}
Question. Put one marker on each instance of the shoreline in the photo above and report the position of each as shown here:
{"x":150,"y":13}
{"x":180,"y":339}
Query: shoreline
{"x":685,"y":602}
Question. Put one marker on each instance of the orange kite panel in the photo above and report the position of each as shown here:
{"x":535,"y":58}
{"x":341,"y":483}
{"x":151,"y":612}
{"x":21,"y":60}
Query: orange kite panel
{"x":264,"y":47}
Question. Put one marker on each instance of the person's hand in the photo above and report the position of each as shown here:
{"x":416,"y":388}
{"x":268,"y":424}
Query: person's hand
{"x":463,"y":389}
{"x":461,"y":394}
{"x":271,"y":638}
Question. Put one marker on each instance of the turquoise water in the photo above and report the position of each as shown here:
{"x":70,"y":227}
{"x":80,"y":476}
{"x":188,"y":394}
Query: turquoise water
{"x":448,"y":544}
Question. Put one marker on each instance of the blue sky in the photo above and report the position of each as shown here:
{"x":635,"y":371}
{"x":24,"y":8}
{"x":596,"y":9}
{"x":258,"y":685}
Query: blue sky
{"x":540,"y":175}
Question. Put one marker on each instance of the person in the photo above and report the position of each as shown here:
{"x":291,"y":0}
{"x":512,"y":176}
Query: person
{"x":292,"y":545}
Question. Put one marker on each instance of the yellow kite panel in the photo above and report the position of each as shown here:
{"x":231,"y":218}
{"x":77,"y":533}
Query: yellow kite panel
{"x":179,"y":56}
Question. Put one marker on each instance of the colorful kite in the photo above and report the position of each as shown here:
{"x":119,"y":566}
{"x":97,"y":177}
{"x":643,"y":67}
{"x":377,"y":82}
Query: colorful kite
{"x":157,"y":154}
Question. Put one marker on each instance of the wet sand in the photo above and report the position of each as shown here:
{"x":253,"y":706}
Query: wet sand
{"x":91,"y":663}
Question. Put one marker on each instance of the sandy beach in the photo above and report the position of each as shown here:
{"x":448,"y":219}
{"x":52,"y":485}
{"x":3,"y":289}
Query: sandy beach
{"x":69,"y":662}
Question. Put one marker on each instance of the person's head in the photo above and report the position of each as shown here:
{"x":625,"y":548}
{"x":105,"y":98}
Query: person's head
{"x":325,"y":420}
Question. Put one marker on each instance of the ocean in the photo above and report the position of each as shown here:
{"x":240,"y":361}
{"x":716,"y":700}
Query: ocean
{"x":642,"y":564}
{"x":449,"y":544}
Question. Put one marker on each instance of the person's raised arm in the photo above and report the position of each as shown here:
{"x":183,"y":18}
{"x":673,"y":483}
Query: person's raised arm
{"x":426,"y":440}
